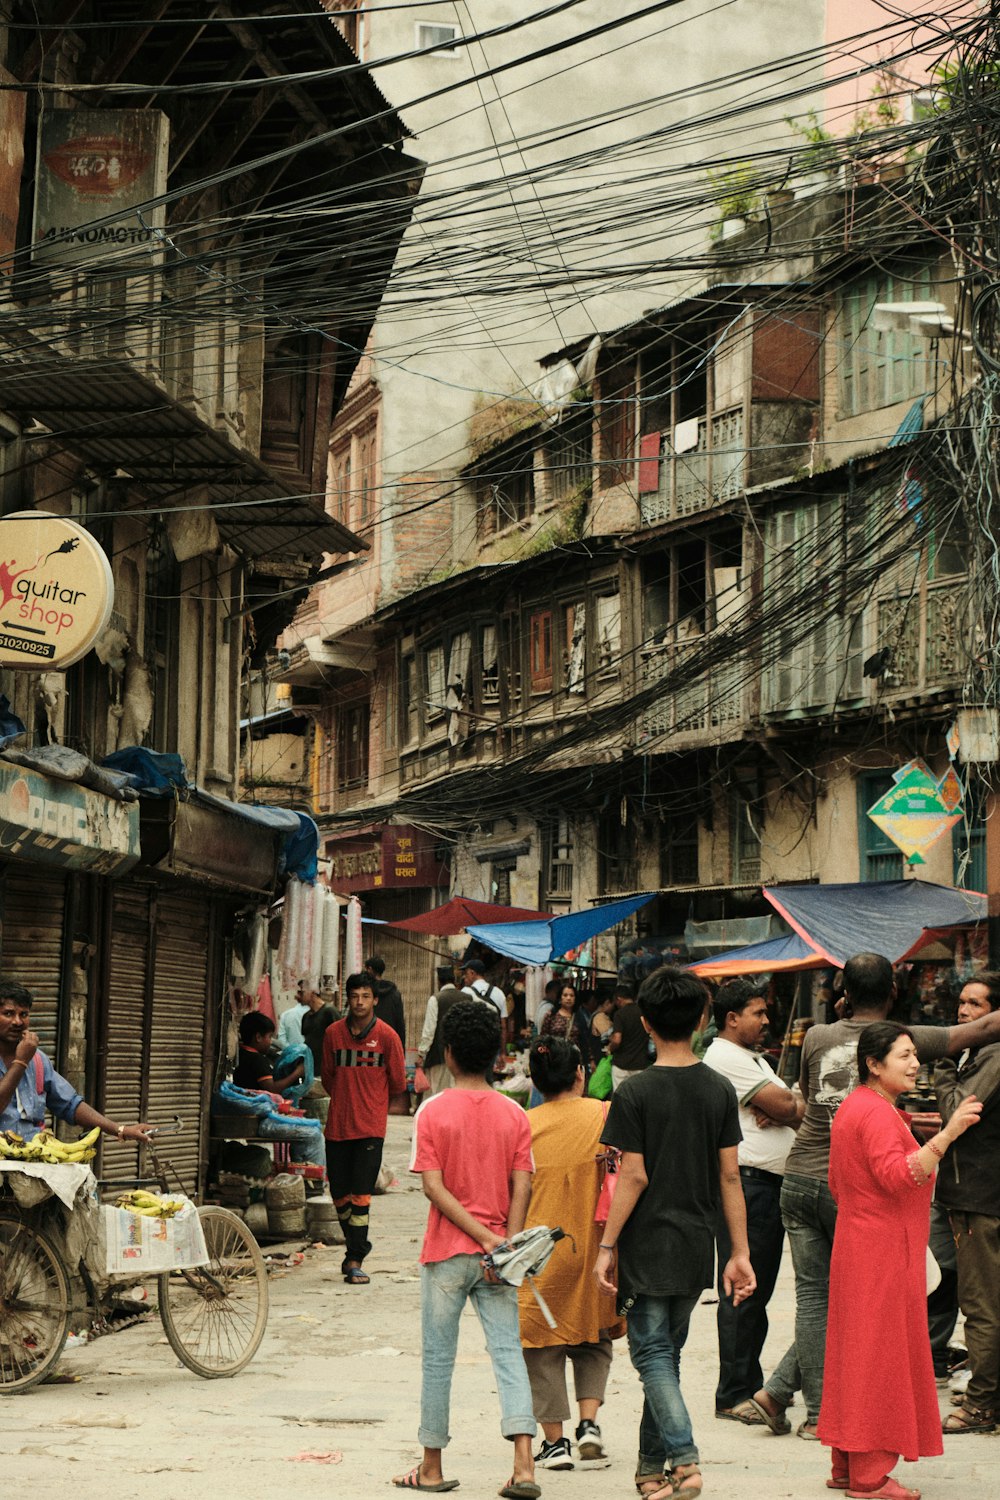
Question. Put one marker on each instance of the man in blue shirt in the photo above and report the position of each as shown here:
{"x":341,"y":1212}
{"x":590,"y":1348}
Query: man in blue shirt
{"x":30,"y":1085}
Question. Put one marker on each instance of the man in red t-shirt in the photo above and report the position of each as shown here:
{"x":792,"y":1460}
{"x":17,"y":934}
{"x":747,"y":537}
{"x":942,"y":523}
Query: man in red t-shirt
{"x":472,"y":1147}
{"x":365,"y":1076}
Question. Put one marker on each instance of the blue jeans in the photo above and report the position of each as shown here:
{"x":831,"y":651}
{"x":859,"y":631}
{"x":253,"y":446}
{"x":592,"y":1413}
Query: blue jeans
{"x":657,"y":1329}
{"x":445,"y":1287}
{"x":810,"y":1217}
{"x":743,"y":1329}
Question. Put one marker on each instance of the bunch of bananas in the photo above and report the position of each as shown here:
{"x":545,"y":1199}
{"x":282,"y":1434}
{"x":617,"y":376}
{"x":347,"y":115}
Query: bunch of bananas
{"x":150,"y":1205}
{"x":46,"y":1147}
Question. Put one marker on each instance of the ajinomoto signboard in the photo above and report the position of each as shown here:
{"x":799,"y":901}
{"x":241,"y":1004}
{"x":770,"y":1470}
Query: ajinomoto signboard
{"x":95,"y":167}
{"x":56,"y":591}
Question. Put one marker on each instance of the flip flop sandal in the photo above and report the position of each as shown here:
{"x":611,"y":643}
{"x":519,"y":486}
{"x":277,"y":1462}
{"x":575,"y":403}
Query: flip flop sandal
{"x":411,"y":1481}
{"x":354,"y":1276}
{"x":891,"y":1489}
{"x":665,"y":1487}
{"x":778,"y":1424}
{"x":648,"y":1484}
{"x":680,"y":1482}
{"x":745,"y":1412}
{"x":969,"y":1419}
{"x":520,"y":1489}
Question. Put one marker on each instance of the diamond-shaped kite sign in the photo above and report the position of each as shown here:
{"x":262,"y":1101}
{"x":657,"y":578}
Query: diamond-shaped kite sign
{"x":918,"y":810}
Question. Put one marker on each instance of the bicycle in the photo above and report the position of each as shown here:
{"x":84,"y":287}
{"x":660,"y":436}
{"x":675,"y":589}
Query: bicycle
{"x":214,"y":1315}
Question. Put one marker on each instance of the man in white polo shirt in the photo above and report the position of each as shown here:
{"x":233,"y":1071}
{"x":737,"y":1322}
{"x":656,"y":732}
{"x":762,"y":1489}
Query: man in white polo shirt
{"x":769,"y":1117}
{"x":478,"y":987}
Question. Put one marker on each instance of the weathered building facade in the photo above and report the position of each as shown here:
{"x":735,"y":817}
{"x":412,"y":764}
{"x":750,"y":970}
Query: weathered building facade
{"x":176,"y":342}
{"x":722,"y":591}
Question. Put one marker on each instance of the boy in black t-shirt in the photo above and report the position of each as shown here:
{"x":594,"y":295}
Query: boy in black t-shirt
{"x":676,"y":1124}
{"x":254,"y":1068}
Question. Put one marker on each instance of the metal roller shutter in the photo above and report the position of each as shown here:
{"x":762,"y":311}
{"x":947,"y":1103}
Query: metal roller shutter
{"x":123,"y":1050}
{"x":31,"y":945}
{"x":177,"y":1040}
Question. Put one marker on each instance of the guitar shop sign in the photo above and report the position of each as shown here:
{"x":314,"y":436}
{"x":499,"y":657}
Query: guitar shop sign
{"x":56,"y":591}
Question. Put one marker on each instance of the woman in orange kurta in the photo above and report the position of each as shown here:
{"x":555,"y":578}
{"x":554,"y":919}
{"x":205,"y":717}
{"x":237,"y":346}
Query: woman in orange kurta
{"x":879,"y":1398}
{"x":566,"y":1143}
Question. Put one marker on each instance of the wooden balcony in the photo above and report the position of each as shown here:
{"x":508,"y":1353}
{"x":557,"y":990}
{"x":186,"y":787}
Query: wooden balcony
{"x":711,"y":702}
{"x":927,"y":632}
{"x":711,"y":472}
{"x":929,"y":636}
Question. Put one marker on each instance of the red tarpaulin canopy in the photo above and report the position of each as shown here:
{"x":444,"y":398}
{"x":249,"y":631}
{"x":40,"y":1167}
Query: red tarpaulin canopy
{"x":457,"y":914}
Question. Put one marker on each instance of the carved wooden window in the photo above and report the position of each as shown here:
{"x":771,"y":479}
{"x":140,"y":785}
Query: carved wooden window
{"x":352,"y":745}
{"x":540,"y":651}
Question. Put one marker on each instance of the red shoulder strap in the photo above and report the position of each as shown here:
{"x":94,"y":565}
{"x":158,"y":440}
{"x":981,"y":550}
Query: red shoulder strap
{"x":39,"y":1074}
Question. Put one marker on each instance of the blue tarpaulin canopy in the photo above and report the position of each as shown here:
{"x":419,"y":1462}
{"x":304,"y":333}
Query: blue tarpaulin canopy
{"x":158,"y":774}
{"x":541,"y":942}
{"x":774,"y":955}
{"x":892,"y":917}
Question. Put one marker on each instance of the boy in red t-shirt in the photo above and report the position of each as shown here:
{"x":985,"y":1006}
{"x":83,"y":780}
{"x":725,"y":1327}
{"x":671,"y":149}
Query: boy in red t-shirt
{"x":472,"y":1147}
{"x":365,"y":1076}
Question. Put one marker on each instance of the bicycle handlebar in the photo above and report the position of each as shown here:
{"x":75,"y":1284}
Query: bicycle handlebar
{"x":175,"y":1127}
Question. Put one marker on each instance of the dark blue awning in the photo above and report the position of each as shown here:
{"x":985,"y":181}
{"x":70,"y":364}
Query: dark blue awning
{"x":541,"y":942}
{"x":157,"y":774}
{"x":891,"y":917}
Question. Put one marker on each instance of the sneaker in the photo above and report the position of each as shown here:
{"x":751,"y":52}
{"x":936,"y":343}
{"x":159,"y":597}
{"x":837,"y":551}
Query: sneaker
{"x":557,"y":1455}
{"x":589,"y":1444}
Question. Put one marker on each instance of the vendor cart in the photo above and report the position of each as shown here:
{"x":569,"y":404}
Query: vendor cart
{"x":54,"y":1270}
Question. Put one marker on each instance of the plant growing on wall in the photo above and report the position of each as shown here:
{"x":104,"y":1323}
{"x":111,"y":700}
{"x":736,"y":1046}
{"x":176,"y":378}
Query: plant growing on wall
{"x":868,"y":141}
{"x":497,"y":419}
{"x":736,"y":192}
{"x":821,"y":152}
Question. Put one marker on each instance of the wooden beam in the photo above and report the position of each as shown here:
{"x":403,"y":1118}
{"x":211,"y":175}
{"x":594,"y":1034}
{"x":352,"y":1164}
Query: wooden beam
{"x":199,"y":122}
{"x":188,"y":208}
{"x":64,"y":17}
{"x":272,"y":68}
{"x":135,"y":38}
{"x":240,"y":132}
{"x":179,"y":56}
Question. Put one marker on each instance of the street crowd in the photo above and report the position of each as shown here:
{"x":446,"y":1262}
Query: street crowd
{"x":692,"y":1173}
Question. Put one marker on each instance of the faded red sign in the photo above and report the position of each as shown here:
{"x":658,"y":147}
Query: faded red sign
{"x":387,"y":858}
{"x":98,"y":166}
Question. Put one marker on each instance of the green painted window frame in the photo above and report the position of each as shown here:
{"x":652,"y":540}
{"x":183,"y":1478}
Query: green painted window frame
{"x":880,"y":369}
{"x":878,"y":856}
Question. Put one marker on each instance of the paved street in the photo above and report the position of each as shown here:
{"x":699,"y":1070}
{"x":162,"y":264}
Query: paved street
{"x":339,"y":1372}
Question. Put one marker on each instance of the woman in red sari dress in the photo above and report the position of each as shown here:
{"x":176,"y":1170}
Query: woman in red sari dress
{"x":879,"y":1397}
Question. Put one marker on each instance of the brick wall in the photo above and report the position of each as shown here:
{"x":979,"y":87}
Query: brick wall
{"x":422,"y":531}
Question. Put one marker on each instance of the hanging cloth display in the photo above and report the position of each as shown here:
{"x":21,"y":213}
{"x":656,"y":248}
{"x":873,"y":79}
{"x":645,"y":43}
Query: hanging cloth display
{"x":456,"y":678}
{"x":352,"y":947}
{"x":329,"y":965}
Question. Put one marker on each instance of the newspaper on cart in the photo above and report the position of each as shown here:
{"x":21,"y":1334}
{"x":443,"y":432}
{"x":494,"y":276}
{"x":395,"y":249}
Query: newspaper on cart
{"x":138,"y":1245}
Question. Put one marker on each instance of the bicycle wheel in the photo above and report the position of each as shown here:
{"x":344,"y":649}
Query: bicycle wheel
{"x":215,"y":1316}
{"x":34,"y":1304}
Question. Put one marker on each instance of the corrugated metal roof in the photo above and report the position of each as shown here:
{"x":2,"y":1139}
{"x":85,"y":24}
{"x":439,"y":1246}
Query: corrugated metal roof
{"x":117,"y":419}
{"x":702,"y":297}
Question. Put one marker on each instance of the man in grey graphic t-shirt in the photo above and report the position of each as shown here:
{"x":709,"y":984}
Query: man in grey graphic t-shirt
{"x":828,"y":1073}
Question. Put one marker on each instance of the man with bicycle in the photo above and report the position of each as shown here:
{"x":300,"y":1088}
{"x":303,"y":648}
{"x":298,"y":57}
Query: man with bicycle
{"x":30,"y":1087}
